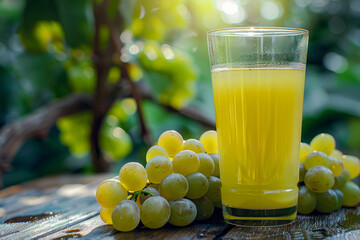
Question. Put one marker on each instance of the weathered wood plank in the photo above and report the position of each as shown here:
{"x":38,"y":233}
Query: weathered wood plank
{"x":53,"y":182}
{"x":343,"y":222}
{"x":19,"y":198}
{"x":72,"y":211}
{"x":66,"y":214}
{"x":94,"y":228}
{"x":68,"y":205}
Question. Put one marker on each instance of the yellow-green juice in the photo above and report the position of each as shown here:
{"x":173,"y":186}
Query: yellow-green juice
{"x":258,"y":120}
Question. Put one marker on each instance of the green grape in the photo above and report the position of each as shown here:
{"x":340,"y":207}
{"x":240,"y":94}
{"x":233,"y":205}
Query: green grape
{"x":306,"y":201}
{"x":319,"y":179}
{"x":183,"y":212}
{"x":204,"y":207}
{"x":174,"y":186}
{"x":158,"y":168}
{"x":336,"y":166}
{"x":126,"y":216}
{"x":302,"y":173}
{"x":80,"y":74}
{"x":326,"y":202}
{"x":352,"y":163}
{"x":193,"y":145}
{"x":155,"y":151}
{"x":214,"y":192}
{"x":155,"y":212}
{"x":207,"y":165}
{"x":157,"y":24}
{"x":105,"y":215}
{"x":340,"y":197}
{"x":171,"y":141}
{"x":339,"y":181}
{"x":143,"y":196}
{"x":336,"y":153}
{"x":323,"y":142}
{"x":110,"y":192}
{"x":75,"y":132}
{"x":116,"y":178}
{"x":210,"y":141}
{"x":153,"y":185}
{"x":186,"y":162}
{"x":133,"y":176}
{"x":305,"y":150}
{"x":115,"y":142}
{"x":351,"y":193}
{"x":316,"y":158}
{"x":215,"y":158}
{"x":346,"y":173}
{"x":198,"y":185}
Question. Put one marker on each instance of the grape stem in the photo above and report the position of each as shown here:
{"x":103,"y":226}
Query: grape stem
{"x":136,"y":194}
{"x":147,"y":192}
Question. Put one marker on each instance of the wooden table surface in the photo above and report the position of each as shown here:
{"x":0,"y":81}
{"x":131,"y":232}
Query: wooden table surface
{"x":64,"y":207}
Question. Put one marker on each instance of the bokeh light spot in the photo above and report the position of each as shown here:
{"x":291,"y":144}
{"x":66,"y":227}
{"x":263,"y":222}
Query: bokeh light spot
{"x":142,"y":12}
{"x":271,"y":10}
{"x":124,"y":58}
{"x":230,"y":7}
{"x":335,"y":62}
{"x":318,"y":6}
{"x":167,"y":52}
{"x":126,"y":36}
{"x":134,"y":49}
{"x":183,"y":11}
{"x":151,"y":54}
{"x":112,"y":120}
{"x":129,"y":105}
{"x":117,"y":132}
{"x":302,"y":3}
{"x":233,"y":12}
{"x":88,"y":72}
{"x":354,"y":36}
{"x":355,"y":7}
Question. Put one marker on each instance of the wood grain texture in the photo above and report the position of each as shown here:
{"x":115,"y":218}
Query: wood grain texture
{"x":66,"y":199}
{"x":313,"y":226}
{"x":94,"y":228}
{"x":63,"y":207}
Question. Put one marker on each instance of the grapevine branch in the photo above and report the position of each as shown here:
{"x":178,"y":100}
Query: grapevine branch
{"x":37,"y":124}
{"x":187,"y":111}
{"x":13,"y":135}
{"x":145,"y":134}
{"x":138,"y":98}
{"x":101,"y":61}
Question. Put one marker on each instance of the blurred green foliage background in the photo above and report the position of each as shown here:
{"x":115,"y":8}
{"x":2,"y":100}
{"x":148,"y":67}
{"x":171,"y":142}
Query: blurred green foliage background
{"x":45,"y":54}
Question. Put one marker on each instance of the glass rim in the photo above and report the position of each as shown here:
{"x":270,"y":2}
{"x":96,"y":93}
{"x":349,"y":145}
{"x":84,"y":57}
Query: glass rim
{"x":258,"y":31}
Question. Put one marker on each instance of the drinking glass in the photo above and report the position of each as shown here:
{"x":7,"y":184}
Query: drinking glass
{"x":258,"y":76}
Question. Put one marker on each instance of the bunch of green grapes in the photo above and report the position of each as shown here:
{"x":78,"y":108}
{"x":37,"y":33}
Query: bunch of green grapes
{"x":325,"y":177}
{"x":115,"y":143}
{"x":172,"y":72}
{"x":75,"y":132}
{"x":179,"y":184}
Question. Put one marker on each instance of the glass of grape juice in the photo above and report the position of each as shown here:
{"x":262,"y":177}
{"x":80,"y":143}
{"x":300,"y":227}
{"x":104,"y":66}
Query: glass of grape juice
{"x":258,"y":76}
